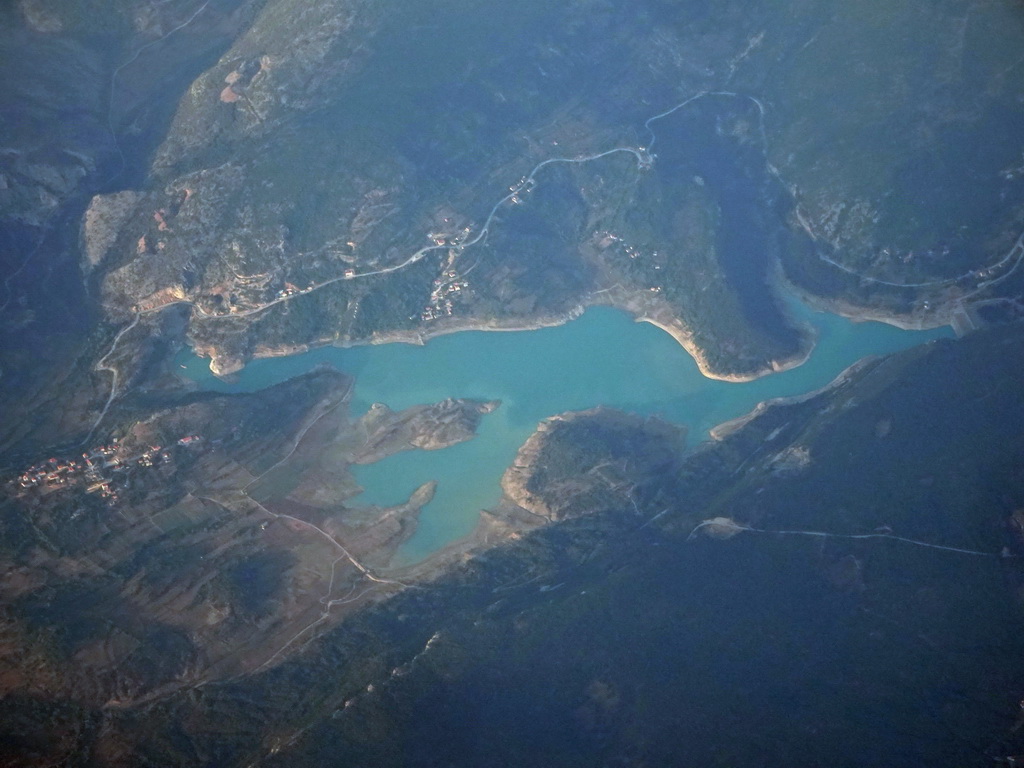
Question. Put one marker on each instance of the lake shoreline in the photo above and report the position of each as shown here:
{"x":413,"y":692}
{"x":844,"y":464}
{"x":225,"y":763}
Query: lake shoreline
{"x":730,"y":426}
{"x":670,"y":324}
{"x":604,"y":358}
{"x":938,"y":317}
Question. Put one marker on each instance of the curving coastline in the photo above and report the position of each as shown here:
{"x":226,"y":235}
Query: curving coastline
{"x":937,"y":317}
{"x":417,"y":338}
{"x":726,"y":428}
{"x":227,"y":366}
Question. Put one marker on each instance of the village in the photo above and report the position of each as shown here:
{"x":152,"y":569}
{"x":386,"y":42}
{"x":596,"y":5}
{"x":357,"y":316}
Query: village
{"x":446,"y":288}
{"x":102,"y":469}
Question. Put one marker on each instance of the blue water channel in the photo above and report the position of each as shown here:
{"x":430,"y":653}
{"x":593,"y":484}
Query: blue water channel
{"x":601,"y":358}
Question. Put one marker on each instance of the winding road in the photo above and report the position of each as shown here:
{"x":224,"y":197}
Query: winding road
{"x":733,"y":527}
{"x":645,"y":159}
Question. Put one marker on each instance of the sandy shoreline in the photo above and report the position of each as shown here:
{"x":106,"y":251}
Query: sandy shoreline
{"x":639,"y":307}
{"x":726,"y":428}
{"x":422,"y":337}
{"x":686,"y":342}
{"x":673,"y":327}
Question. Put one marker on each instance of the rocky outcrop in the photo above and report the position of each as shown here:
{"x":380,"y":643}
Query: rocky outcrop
{"x":74,"y":108}
{"x":427,"y":427}
{"x":792,"y":461}
{"x":103,"y":222}
{"x":281,"y":66}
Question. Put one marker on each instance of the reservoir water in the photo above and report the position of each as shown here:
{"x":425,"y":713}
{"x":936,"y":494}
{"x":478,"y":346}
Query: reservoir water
{"x":601,"y":358}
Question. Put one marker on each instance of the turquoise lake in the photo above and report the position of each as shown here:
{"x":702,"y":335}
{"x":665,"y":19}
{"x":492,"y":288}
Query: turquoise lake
{"x":601,"y":358}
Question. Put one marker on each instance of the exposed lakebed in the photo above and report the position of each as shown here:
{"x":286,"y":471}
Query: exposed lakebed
{"x":601,"y":358}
